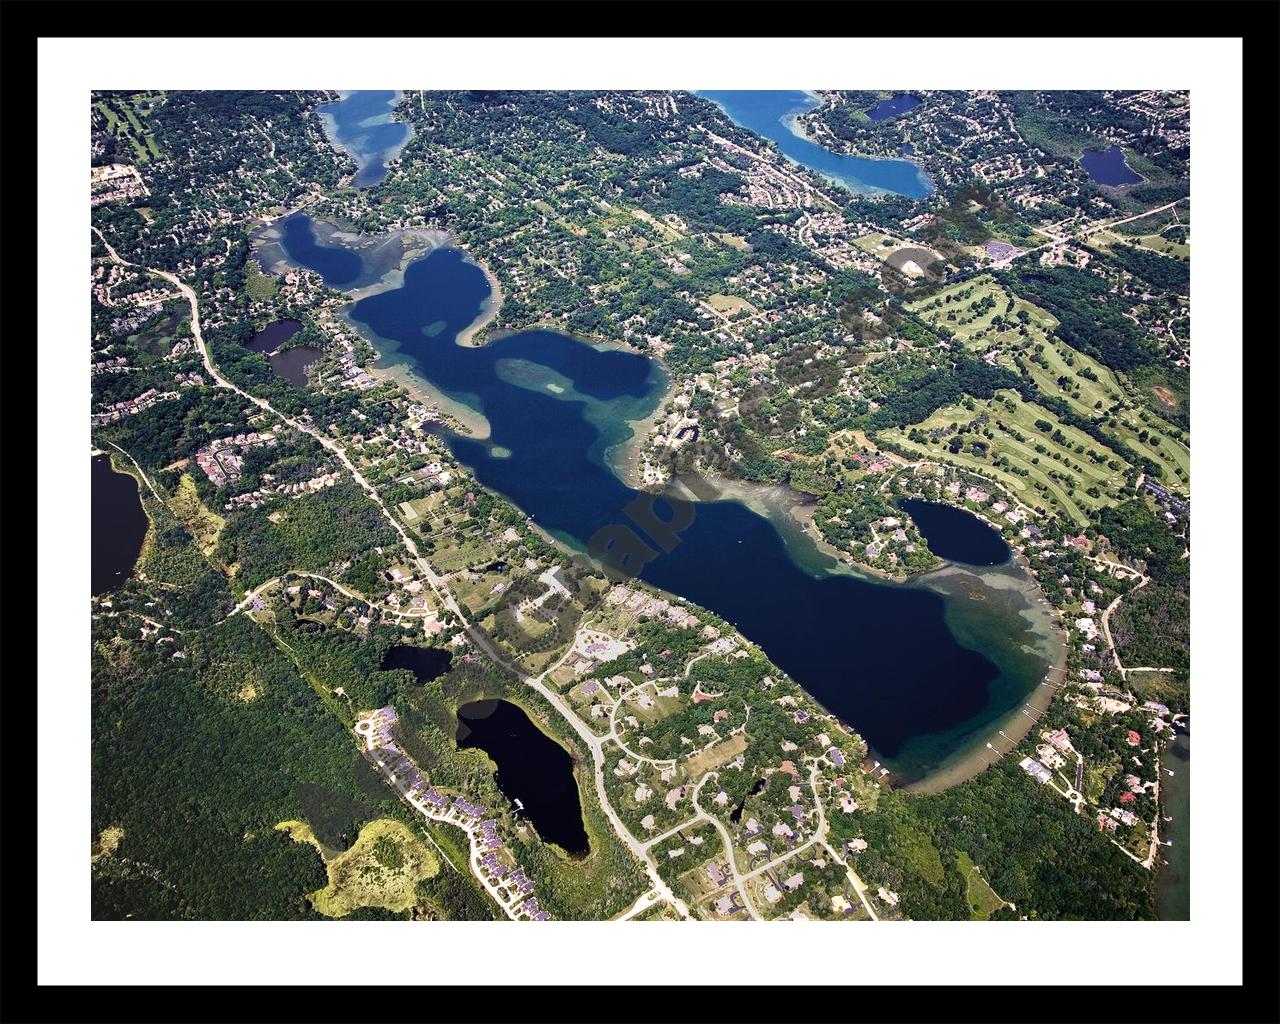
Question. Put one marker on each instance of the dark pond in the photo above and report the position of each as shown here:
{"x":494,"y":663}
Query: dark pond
{"x":887,"y":659}
{"x":892,"y":107}
{"x":735,"y":815}
{"x":1108,"y":168}
{"x":532,"y":768}
{"x":338,"y":266}
{"x":292,"y":363}
{"x":426,"y":663}
{"x":273,"y":335}
{"x":1173,"y":879}
{"x":118,"y":526}
{"x":956,"y":535}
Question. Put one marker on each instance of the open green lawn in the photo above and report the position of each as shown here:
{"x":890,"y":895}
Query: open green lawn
{"x":1176,"y":245}
{"x":126,"y":122}
{"x":260,"y":286}
{"x":660,"y":708}
{"x":968,"y":310}
{"x":109,"y":114}
{"x":1082,"y":394}
{"x":1174,"y":456}
{"x":982,"y":899}
{"x":976,"y":303}
{"x":476,"y":594}
{"x":874,"y":243}
{"x":1034,"y":476}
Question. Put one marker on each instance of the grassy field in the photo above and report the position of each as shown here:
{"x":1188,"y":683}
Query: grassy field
{"x":1167,"y":687}
{"x":975,"y":304}
{"x":659,"y":709}
{"x":157,"y":337}
{"x":203,"y":525}
{"x":1174,"y":243}
{"x":456,"y":551}
{"x":734,"y":241}
{"x":126,"y":121}
{"x":982,"y":899}
{"x":1040,"y":471}
{"x":261,"y":287}
{"x":716,"y":755}
{"x":667,"y":231}
{"x":476,"y":594}
{"x":729,"y":303}
{"x":874,"y":243}
{"x":380,"y":870}
{"x":1057,"y":360}
{"x":1173,"y":456}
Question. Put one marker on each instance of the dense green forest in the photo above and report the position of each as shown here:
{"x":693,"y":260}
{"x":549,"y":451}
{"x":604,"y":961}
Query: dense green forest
{"x":1088,"y":318}
{"x":1051,"y":863}
{"x":198,"y":779}
{"x":315,"y":532}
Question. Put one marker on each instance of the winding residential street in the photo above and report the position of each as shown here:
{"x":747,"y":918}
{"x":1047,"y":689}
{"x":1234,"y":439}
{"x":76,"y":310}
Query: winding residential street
{"x":738,"y":880}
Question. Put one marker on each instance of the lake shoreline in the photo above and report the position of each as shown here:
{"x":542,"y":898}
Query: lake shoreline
{"x":695,"y":575}
{"x":365,"y":161}
{"x":468,"y":337}
{"x":758,"y":111}
{"x":970,"y":765}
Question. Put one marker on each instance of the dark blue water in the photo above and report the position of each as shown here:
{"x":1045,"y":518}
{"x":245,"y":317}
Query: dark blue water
{"x":955,"y":534}
{"x":426,"y":663}
{"x":273,"y":335}
{"x":339,"y":267}
{"x":894,"y":106}
{"x":1173,"y":877}
{"x":361,"y":124}
{"x":117,"y":526}
{"x":881,"y":657}
{"x":532,"y":768}
{"x":1108,"y":168}
{"x":766,"y":112}
{"x":292,"y":363}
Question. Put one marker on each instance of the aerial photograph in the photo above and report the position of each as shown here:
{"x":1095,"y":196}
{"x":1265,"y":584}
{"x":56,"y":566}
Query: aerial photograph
{"x":596,"y":505}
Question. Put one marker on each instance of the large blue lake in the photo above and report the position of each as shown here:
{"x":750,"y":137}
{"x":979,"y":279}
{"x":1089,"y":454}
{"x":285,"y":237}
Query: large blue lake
{"x":1108,"y":167}
{"x":923,"y":673}
{"x":361,"y":124}
{"x":893,"y":106}
{"x":769,"y":112}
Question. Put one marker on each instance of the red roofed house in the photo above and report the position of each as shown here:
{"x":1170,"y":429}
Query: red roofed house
{"x":1126,"y":798}
{"x":1134,"y":738}
{"x":790,"y":768}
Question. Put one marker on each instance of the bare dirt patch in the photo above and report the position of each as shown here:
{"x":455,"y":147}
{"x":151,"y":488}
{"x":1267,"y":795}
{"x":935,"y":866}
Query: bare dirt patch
{"x":105,"y":845}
